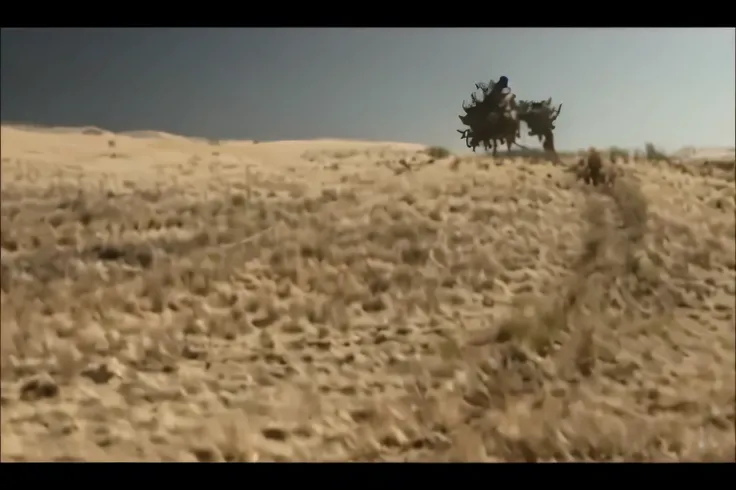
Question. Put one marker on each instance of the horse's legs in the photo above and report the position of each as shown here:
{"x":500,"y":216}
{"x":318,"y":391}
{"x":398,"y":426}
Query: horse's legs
{"x":549,"y":145}
{"x":549,"y":142}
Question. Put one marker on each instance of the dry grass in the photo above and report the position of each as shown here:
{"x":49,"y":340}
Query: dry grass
{"x":315,"y":302}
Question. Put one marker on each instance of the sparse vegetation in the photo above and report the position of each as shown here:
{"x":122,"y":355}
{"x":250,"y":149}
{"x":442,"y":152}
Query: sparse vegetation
{"x":438,"y":152}
{"x":591,"y":169}
{"x":615,"y":154}
{"x":652,"y":154}
{"x":112,"y":145}
{"x":318,"y":308}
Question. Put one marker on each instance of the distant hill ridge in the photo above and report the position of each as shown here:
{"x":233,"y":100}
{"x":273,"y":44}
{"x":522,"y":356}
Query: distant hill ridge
{"x":687,"y":152}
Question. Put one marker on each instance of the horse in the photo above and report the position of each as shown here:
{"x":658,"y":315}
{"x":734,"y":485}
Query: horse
{"x":490,"y":130}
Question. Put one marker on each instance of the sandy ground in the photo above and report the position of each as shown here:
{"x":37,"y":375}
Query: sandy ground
{"x":173,"y":299}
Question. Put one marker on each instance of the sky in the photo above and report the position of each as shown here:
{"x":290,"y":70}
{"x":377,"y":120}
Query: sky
{"x":673,"y":87}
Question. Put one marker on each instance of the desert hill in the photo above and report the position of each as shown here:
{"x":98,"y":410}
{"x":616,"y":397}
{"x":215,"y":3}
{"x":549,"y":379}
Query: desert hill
{"x":175,"y":299}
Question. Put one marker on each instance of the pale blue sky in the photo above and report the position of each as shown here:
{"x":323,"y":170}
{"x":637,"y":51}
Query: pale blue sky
{"x":674,"y":87}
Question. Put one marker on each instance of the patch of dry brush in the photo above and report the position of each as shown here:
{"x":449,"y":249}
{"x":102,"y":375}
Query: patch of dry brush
{"x":501,"y":314}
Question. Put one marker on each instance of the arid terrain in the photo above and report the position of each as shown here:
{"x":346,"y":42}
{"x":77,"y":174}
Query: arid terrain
{"x":173,"y":299}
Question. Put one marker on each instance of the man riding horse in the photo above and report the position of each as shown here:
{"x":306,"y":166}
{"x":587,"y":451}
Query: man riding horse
{"x":497,"y":111}
{"x":501,"y":97}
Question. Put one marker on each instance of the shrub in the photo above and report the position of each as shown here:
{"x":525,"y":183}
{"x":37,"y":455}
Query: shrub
{"x":616,"y":153}
{"x":652,"y":154}
{"x":437,"y":152}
